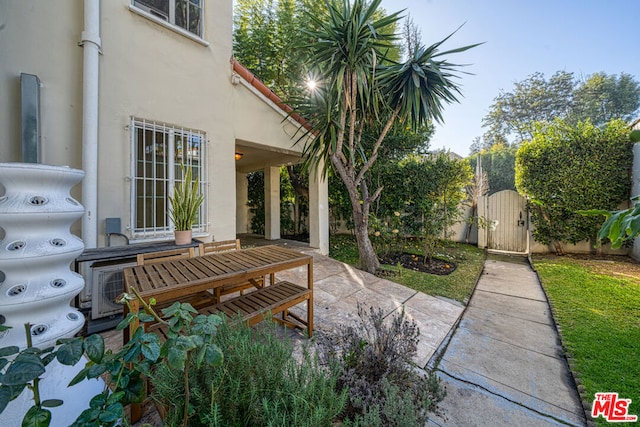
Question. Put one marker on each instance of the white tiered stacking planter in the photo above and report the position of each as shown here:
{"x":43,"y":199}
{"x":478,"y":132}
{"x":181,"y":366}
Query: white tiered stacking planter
{"x":36,"y":252}
{"x":36,"y":281}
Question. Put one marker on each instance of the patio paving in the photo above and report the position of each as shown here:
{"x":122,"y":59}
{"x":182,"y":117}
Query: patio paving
{"x":338,"y":288}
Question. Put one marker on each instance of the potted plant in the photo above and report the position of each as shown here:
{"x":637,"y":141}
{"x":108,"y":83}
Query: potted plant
{"x":184,"y":205}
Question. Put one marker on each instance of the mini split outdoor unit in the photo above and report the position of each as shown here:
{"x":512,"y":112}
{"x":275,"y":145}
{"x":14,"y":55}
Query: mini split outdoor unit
{"x":104,"y":283}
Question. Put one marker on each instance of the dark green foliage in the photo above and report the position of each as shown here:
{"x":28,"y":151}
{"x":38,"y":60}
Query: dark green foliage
{"x":565,"y":169}
{"x":426,"y":192}
{"x":255,"y":201}
{"x":259,"y":384}
{"x":265,"y":36}
{"x":375,"y":360}
{"x":499,"y":163}
{"x":602,"y":98}
{"x":294,"y":209}
{"x":189,"y":342}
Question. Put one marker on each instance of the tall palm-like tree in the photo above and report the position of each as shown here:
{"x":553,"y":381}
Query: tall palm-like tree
{"x":359,"y":87}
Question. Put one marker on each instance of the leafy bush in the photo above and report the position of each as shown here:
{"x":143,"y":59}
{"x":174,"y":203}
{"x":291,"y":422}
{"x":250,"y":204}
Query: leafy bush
{"x":565,"y":169}
{"x":259,"y":384}
{"x":427,"y":191}
{"x":124,"y":371}
{"x":374,"y":358}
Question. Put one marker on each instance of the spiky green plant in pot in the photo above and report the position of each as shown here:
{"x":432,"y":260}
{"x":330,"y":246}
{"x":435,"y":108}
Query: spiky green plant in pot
{"x":185,"y":203}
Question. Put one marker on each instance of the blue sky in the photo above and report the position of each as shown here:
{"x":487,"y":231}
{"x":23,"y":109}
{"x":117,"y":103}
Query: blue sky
{"x":522,"y":37}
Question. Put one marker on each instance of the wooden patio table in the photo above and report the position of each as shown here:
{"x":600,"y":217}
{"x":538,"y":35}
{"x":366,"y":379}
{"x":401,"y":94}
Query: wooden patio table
{"x":180,"y":279}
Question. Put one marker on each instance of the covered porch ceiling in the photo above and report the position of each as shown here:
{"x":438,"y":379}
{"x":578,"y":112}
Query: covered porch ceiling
{"x":257,"y":157}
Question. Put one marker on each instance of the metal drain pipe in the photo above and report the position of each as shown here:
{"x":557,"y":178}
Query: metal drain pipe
{"x":91,"y":44}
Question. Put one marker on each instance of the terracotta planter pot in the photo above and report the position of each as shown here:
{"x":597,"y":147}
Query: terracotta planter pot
{"x":183,"y":237}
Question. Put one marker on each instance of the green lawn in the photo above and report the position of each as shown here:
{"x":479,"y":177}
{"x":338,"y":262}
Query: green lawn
{"x":457,"y":285}
{"x":597,"y":306}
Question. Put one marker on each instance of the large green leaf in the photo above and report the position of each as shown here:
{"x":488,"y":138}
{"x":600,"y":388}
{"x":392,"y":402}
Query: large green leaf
{"x":176,"y":358}
{"x":213,"y":355}
{"x":70,"y":351}
{"x":151,"y":348}
{"x":9,"y":351}
{"x":112,"y":413}
{"x":36,"y":417}
{"x":94,"y":347}
{"x":51,"y":403}
{"x":25,"y":368}
{"x":80,"y":376}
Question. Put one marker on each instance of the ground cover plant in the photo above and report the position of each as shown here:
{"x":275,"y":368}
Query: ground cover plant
{"x":374,"y":360}
{"x":597,"y":307}
{"x":260,"y":383}
{"x":458,"y":285}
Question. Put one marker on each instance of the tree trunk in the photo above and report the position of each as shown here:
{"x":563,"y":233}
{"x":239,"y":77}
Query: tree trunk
{"x":474,"y":208}
{"x":368,"y":259}
{"x":559,"y":247}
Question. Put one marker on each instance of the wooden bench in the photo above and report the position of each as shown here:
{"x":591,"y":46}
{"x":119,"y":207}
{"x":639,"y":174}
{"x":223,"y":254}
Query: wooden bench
{"x":252,"y":307}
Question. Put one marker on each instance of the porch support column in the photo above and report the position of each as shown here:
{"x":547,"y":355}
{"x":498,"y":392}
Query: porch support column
{"x":272,"y":203}
{"x":242,"y":210}
{"x":319,"y":211}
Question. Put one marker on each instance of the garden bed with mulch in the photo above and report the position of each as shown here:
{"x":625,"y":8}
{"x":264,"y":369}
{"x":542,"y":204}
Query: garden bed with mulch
{"x":417,"y":263}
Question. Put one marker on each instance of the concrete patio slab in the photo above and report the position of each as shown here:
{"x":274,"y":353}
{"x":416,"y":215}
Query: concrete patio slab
{"x":527,"y":309}
{"x":509,"y":329}
{"x":481,"y":409}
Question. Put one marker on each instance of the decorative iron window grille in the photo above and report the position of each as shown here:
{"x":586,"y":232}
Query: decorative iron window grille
{"x":158,"y":151}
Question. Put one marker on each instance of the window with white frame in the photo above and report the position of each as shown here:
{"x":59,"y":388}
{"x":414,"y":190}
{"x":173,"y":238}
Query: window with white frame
{"x":158,"y":151}
{"x":186,"y":14}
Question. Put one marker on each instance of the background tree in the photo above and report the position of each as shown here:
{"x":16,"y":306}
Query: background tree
{"x":534,"y":99}
{"x":510,"y":121}
{"x":412,"y":35}
{"x":498,"y":162}
{"x":599,"y":98}
{"x":265,"y":36}
{"x":568,"y":168}
{"x":603,"y":97}
{"x":267,"y":39}
{"x":360,"y":86}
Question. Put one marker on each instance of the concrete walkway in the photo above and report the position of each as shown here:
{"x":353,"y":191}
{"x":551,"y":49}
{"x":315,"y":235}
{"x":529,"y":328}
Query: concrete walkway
{"x":338,"y":288}
{"x":503,"y":366}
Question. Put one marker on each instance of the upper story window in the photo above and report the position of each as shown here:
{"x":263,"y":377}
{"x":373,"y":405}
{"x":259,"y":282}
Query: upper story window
{"x":186,"y":14}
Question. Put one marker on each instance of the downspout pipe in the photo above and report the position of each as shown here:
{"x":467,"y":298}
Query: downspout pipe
{"x":91,"y":45}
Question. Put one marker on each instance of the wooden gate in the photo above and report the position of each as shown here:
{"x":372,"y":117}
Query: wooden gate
{"x":507,"y":216}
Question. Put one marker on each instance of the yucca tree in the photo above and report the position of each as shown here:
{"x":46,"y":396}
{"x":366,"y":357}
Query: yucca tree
{"x":360,"y":87}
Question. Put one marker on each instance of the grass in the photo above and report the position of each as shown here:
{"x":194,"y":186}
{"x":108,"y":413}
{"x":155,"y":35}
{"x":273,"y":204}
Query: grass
{"x":598,"y":311}
{"x":457,"y":285}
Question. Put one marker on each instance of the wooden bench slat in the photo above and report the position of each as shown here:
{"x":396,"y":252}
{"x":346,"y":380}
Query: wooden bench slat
{"x":252,"y":307}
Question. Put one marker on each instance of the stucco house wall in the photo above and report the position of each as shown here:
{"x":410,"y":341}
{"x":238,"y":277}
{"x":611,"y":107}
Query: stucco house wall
{"x":146,"y":71}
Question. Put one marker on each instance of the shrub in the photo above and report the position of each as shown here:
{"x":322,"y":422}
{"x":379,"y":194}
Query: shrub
{"x":374,"y":358}
{"x":260,"y":384}
{"x":565,"y":169}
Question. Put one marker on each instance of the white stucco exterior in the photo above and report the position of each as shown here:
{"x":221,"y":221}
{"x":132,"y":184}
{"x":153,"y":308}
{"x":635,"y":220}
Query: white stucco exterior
{"x":148,"y":71}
